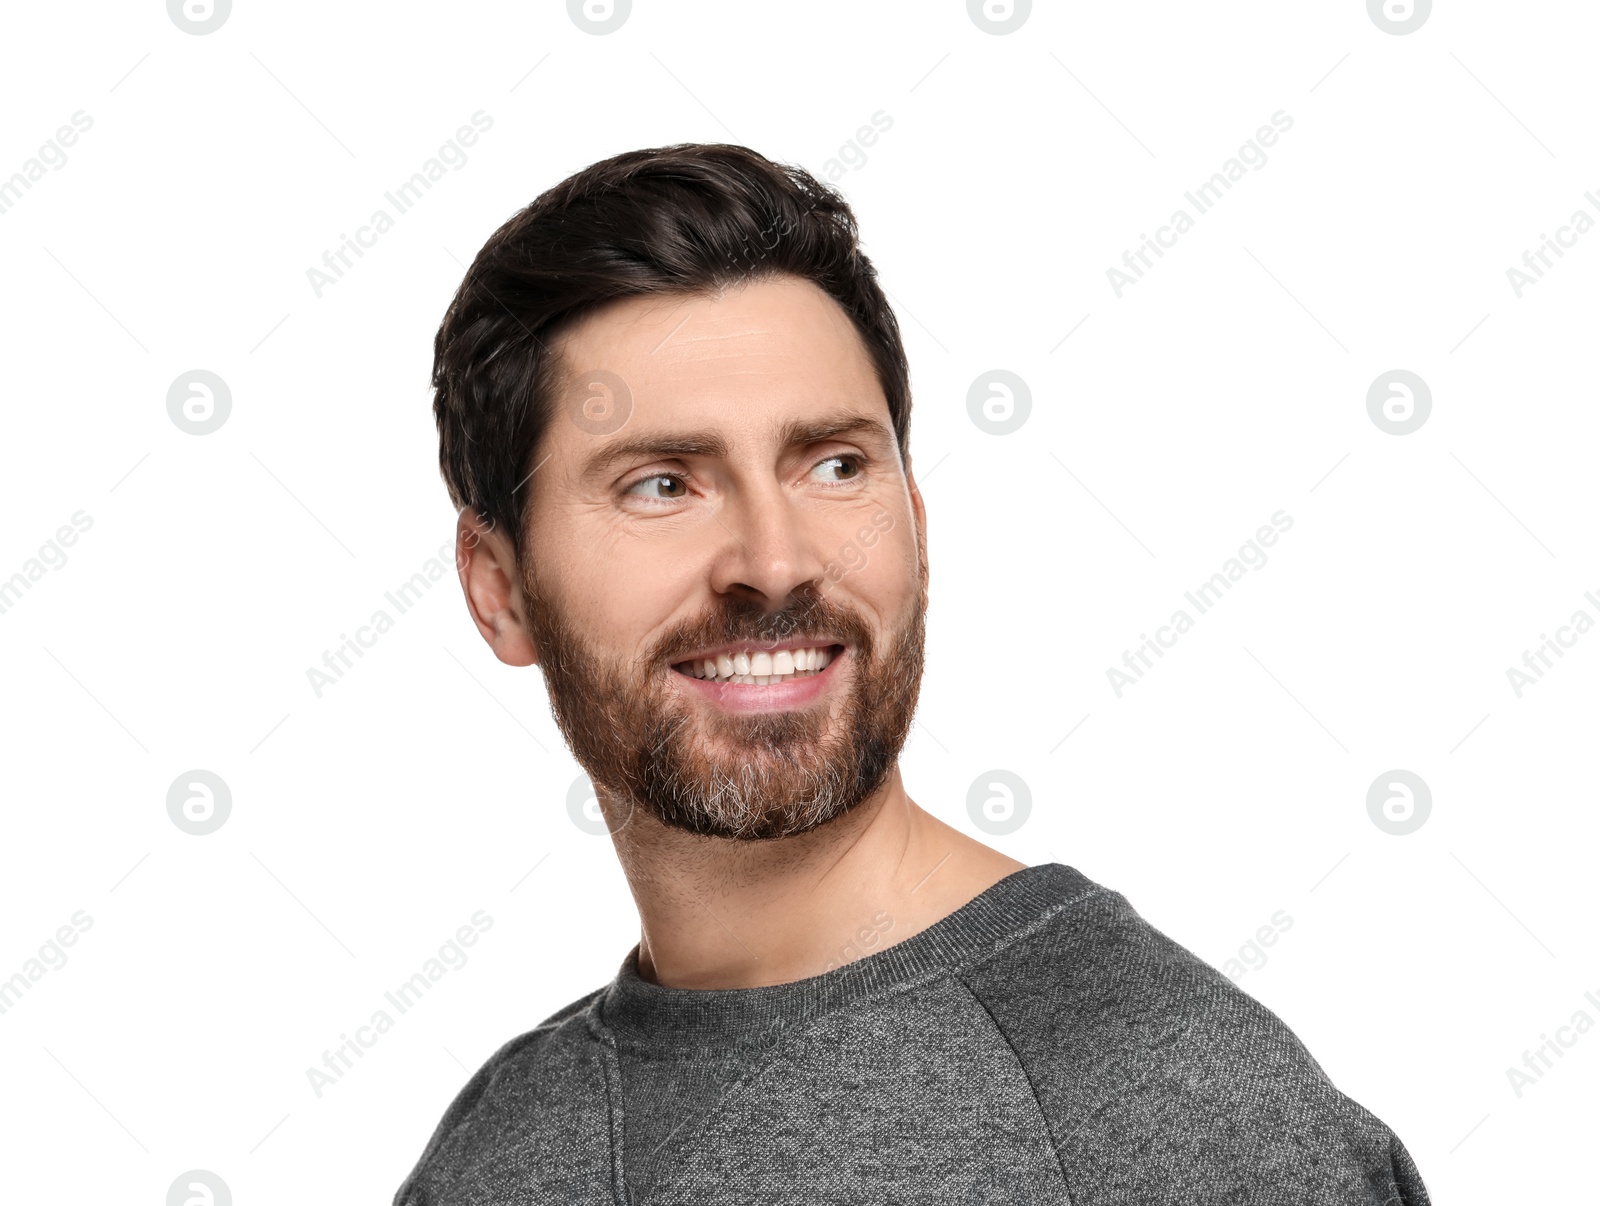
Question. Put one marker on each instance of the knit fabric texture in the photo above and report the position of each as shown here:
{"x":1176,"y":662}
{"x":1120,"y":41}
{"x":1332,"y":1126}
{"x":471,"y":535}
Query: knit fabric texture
{"x":1042,"y":1044}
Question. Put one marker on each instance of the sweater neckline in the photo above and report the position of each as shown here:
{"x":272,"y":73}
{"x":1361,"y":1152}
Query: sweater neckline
{"x":642,"y":1013}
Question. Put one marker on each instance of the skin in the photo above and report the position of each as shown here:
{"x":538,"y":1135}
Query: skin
{"x":634,"y":564}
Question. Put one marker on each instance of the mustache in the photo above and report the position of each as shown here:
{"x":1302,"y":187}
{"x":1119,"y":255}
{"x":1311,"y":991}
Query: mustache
{"x":739,"y":622}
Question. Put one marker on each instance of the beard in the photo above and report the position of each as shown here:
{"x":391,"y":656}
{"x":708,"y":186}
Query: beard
{"x":751,"y":776}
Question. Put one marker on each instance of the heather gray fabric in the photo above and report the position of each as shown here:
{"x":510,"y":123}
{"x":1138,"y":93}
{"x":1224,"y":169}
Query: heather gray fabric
{"x":1041,"y":1044}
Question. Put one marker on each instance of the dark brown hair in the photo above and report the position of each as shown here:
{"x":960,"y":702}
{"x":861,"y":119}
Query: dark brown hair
{"x":688,"y":219}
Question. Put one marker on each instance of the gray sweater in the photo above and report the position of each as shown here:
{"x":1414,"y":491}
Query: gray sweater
{"x":1041,"y":1044}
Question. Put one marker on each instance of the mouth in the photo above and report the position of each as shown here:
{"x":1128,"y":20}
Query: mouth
{"x":755,"y":665}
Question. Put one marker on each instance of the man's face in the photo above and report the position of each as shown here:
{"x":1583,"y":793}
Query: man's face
{"x":732,"y":492}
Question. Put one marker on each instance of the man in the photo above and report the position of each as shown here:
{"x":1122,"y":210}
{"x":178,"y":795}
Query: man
{"x":674,"y":411}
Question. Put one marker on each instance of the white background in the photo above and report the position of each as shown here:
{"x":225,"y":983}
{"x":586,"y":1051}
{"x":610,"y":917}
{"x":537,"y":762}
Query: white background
{"x":430,"y":782}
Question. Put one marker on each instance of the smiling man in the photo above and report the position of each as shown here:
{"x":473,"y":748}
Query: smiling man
{"x":674,"y":410}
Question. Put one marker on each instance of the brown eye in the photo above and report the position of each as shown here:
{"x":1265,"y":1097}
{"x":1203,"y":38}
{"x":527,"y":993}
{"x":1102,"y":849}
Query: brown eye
{"x":655,"y":478}
{"x":842,"y":459}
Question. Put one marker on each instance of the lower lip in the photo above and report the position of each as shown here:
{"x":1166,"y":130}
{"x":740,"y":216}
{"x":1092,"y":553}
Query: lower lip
{"x":753,"y":697}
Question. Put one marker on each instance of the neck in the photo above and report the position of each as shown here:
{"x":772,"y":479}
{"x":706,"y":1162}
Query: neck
{"x":717,"y":913}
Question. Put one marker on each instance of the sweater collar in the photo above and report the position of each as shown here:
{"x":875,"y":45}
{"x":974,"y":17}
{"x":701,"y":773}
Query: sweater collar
{"x":636,"y":1010}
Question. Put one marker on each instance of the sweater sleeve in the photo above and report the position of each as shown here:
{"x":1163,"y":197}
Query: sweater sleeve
{"x":483,"y":1121}
{"x":1236,"y":1110}
{"x":1161,"y":1082}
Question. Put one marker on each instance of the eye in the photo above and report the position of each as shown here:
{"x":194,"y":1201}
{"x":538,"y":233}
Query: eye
{"x":653,"y":480}
{"x":847,"y":459}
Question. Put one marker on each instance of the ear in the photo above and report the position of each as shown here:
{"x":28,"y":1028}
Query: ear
{"x":918,"y":511}
{"x":493,"y":587}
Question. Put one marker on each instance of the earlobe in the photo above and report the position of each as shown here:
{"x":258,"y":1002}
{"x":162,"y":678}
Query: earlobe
{"x":506,"y":635}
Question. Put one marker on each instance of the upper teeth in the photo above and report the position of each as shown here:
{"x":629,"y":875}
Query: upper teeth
{"x":759,"y":667}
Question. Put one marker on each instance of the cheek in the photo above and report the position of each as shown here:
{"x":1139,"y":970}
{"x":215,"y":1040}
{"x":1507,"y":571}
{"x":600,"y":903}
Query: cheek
{"x":878,"y":560}
{"x":623,"y":595}
{"x":895,"y":552}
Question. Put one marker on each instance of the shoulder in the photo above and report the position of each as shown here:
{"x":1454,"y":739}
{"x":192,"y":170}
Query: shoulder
{"x":1161,"y":1080}
{"x":529,"y":1076}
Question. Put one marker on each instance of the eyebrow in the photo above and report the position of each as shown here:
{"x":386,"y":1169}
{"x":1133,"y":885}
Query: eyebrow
{"x":796,"y":433}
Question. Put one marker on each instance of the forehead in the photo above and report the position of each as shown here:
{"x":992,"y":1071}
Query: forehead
{"x":747,"y":360}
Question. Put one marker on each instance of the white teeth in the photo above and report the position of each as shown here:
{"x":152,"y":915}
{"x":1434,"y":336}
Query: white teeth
{"x":759,"y":668}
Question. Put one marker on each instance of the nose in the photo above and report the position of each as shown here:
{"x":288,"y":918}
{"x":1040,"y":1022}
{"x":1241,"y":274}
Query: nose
{"x":770,"y":547}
